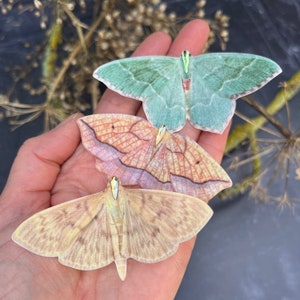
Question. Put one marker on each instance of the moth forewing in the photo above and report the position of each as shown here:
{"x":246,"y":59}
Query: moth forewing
{"x":52,"y":231}
{"x":157,"y":221}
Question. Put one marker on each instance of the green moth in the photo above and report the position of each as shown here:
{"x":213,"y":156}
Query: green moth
{"x":200,"y":88}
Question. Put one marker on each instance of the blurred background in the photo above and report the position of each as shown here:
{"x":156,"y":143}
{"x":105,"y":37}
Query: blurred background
{"x":250,"y":248}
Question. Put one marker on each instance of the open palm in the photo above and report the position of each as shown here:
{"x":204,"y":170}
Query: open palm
{"x":54,"y":168}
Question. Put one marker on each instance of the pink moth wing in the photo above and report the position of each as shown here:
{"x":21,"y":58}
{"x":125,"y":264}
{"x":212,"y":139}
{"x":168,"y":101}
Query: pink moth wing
{"x":128,"y":147}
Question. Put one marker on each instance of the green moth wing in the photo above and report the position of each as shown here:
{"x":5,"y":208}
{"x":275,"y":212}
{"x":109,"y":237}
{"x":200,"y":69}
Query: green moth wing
{"x":219,"y":78}
{"x":149,"y":79}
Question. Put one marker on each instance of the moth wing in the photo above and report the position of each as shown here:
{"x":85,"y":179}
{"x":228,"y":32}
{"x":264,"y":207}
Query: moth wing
{"x":51,"y":232}
{"x":111,"y":136}
{"x":115,"y":137}
{"x":154,"y":80}
{"x":219,"y":78}
{"x":193,"y":171}
{"x":93,"y":247}
{"x":157,"y":221}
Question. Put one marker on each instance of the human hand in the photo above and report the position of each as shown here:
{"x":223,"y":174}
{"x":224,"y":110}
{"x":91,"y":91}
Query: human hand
{"x":54,"y":168}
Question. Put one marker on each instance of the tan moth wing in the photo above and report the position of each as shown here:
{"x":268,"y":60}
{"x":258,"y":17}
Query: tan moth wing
{"x":91,"y":232}
{"x":51,"y":231}
{"x":156,"y":222}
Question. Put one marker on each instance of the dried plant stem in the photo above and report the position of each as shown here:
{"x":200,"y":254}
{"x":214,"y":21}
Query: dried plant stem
{"x":243,"y":132}
{"x":250,"y":128}
{"x":77,"y":24}
{"x":239,"y":187}
{"x":244,"y":184}
{"x":263,"y":111}
{"x":55,"y":38}
{"x":72,"y":56}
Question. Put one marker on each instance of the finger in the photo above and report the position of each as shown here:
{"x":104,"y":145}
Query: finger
{"x":156,"y":44}
{"x":214,"y":143}
{"x":192,"y":37}
{"x":37,"y":166}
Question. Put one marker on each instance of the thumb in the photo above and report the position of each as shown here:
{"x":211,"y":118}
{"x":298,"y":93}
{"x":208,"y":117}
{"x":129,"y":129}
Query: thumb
{"x":36,"y":168}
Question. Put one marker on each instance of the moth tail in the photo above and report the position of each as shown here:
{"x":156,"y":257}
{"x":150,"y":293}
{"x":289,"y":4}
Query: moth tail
{"x":121,"y":265}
